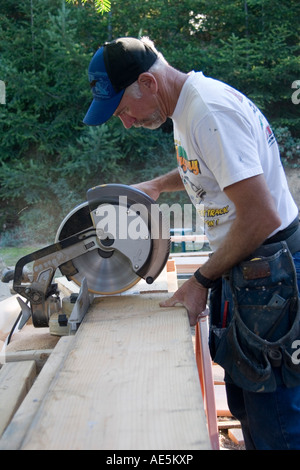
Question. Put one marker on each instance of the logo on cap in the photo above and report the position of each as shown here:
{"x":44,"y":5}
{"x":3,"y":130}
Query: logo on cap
{"x":102,"y":88}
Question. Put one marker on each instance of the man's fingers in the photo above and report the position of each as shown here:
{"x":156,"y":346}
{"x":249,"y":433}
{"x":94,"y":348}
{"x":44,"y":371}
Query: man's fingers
{"x":171,"y":302}
{"x":194,"y":317}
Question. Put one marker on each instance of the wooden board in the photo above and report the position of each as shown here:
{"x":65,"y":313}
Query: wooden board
{"x":204,"y":365}
{"x":129,"y":381}
{"x":221,"y":401}
{"x":16,"y":378}
{"x":218,"y":374}
{"x":236,"y":435}
{"x":39,"y":356}
{"x":228,"y":423}
{"x":14,"y":435}
{"x":188,"y":264}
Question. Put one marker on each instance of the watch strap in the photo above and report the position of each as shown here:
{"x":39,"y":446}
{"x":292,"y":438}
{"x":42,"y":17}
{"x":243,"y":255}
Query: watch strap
{"x":204,"y":281}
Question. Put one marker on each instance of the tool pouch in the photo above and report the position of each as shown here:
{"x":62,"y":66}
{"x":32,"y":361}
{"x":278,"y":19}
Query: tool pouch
{"x":258,"y":347}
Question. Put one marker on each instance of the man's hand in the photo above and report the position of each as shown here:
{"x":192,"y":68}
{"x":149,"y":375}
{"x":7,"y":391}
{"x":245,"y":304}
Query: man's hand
{"x":192,"y":296}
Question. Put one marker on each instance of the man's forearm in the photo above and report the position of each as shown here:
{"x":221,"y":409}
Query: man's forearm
{"x":249,"y":230}
{"x":169,"y":182}
{"x":242,"y":239}
{"x":235,"y":248}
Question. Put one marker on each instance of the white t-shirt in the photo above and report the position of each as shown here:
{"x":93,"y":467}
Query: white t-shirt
{"x":221,"y":138}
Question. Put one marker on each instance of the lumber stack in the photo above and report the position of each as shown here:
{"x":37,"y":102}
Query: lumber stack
{"x":16,"y":380}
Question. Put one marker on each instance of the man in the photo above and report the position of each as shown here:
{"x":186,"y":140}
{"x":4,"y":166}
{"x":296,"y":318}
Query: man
{"x":228,"y":159}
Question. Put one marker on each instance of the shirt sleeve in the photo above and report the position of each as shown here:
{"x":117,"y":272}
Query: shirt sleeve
{"x":228,"y":147}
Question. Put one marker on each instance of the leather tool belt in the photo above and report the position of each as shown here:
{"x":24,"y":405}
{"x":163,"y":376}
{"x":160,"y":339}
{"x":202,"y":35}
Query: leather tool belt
{"x":258,"y":348}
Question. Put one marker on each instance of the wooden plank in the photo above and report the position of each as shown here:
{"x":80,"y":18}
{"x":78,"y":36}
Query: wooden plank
{"x":129,"y":381}
{"x":204,"y":365}
{"x":189,"y":254}
{"x":228,"y":423}
{"x":188,"y":265}
{"x":16,"y":378}
{"x":236,"y":435}
{"x":189,"y":238}
{"x":17,"y":429}
{"x":218,"y":374}
{"x":221,"y":401}
{"x":66,"y":287}
{"x":172,"y":276}
{"x":40,"y":357}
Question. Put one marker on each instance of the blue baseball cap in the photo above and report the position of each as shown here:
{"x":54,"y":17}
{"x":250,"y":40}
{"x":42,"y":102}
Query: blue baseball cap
{"x":114,"y":67}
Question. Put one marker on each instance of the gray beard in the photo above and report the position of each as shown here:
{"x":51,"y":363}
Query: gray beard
{"x":152,"y":122}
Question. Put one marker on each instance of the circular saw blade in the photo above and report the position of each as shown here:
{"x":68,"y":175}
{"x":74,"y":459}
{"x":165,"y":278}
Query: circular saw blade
{"x":119,"y":259}
{"x":106,"y":273}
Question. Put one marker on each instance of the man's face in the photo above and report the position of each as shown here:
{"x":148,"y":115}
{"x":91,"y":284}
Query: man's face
{"x":140,"y":112}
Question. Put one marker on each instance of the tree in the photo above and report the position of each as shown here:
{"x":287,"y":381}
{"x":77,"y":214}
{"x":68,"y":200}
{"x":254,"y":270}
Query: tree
{"x":48,"y":158}
{"x":101,"y":6}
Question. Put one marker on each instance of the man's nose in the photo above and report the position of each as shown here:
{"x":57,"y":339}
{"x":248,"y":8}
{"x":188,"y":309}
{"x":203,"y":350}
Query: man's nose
{"x":127,"y":121}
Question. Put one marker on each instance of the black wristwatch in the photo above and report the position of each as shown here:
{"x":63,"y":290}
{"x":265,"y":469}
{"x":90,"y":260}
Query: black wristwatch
{"x":204,"y":281}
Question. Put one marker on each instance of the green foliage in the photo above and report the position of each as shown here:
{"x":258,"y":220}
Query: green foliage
{"x":48,"y":158}
{"x":10,"y":255}
{"x":289,"y":147}
{"x":101,"y":6}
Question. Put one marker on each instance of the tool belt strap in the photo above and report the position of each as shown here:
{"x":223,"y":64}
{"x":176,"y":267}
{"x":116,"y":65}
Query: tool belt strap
{"x":291,"y":235}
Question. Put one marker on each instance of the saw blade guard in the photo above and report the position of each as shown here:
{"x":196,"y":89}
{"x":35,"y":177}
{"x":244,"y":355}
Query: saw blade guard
{"x":133,"y":239}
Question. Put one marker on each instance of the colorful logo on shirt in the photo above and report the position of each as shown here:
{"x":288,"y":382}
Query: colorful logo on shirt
{"x":186,"y":164}
{"x":235,"y":93}
{"x":269,"y":136}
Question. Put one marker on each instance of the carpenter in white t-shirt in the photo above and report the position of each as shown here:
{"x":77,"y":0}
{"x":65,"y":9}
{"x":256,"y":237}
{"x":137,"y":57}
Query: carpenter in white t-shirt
{"x":221,"y":138}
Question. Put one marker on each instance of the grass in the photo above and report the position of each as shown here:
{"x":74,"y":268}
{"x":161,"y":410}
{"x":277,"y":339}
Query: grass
{"x":9,"y":255}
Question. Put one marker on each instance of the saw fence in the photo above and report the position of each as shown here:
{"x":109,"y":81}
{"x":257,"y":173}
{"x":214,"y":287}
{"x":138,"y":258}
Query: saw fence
{"x":127,"y":380}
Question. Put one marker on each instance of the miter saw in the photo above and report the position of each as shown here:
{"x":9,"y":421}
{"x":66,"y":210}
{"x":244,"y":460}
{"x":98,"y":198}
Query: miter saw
{"x":107,"y":244}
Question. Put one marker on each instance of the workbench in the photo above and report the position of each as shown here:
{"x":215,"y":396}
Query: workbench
{"x":127,"y":380}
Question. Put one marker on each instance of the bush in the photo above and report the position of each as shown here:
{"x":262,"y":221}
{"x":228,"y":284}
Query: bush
{"x":289,"y":147}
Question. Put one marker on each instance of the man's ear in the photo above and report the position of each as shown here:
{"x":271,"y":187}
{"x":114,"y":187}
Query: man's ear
{"x":148,"y":81}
